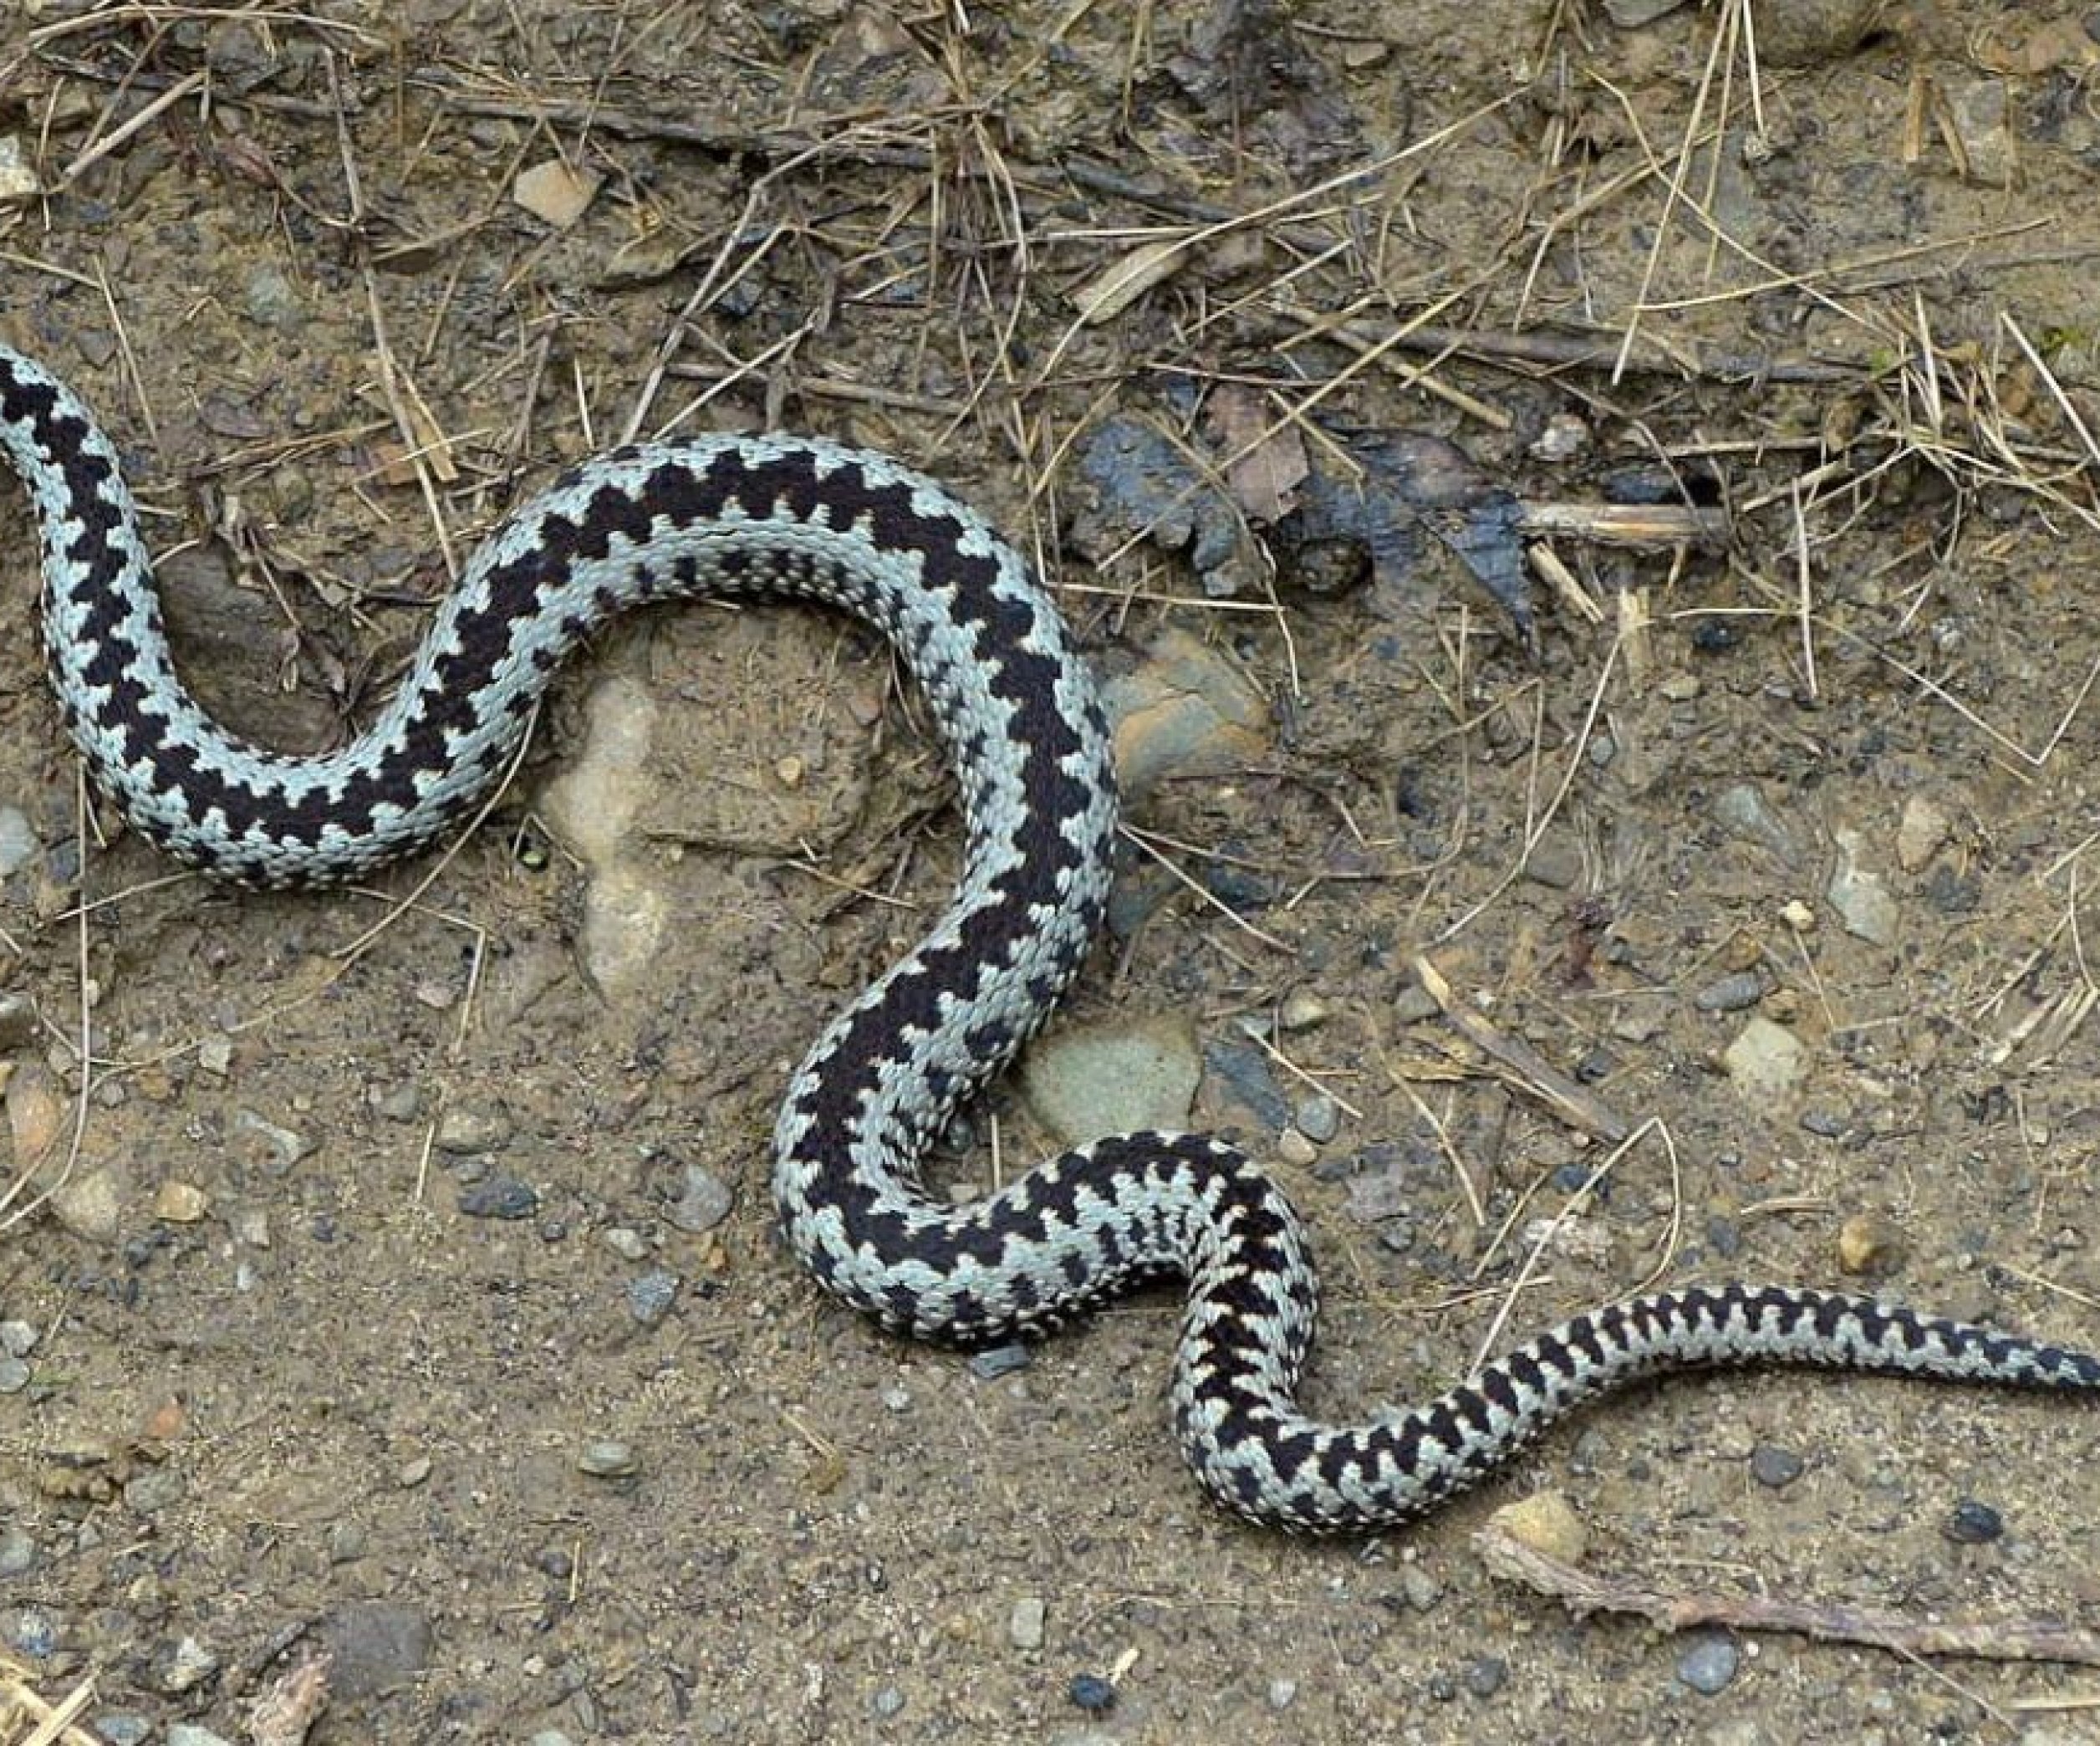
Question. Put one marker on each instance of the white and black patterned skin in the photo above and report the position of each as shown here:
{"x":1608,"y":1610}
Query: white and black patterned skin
{"x":1018,"y":716}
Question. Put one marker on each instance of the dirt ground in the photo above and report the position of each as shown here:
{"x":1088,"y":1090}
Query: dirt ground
{"x":1768,"y":360}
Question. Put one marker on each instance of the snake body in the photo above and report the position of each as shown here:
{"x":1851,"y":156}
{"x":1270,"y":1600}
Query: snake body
{"x":1026,"y":736}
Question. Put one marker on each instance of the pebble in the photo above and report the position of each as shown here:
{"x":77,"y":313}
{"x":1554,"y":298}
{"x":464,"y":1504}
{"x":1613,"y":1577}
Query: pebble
{"x":1709,"y":1665}
{"x":1319,"y":1118}
{"x":704,"y":1200}
{"x":626,"y":1242}
{"x":1766,"y":1061}
{"x":375,"y":1646}
{"x":996,"y":1362}
{"x":17,"y":1552}
{"x":1743,"y":811}
{"x":184,"y":1667}
{"x":1296,"y":1150}
{"x":1973,"y":1523}
{"x":1731,"y":994}
{"x":1024,"y":1624}
{"x":413,"y":1472}
{"x":897,"y":1398}
{"x":272,"y":300}
{"x":1556,"y":863}
{"x":121,"y":1728}
{"x":1302,"y":1009}
{"x":607,"y":1459}
{"x":1487,"y":1675}
{"x":284,"y":1147}
{"x":1419,"y":1589}
{"x":215,"y":1055}
{"x":1546,"y":1522}
{"x":1861,"y":897}
{"x":180,"y":1203}
{"x":17,"y":840}
{"x":1187,"y":711}
{"x":189,"y":1733}
{"x":18,"y":1020}
{"x":156,"y":1489}
{"x":463,"y":1131}
{"x":887,"y":1703}
{"x":649,"y":1298}
{"x":499,"y":1197}
{"x":1773,"y":1467}
{"x":1114,"y":1079}
{"x":1922,"y":829}
{"x":1245,"y":1073}
{"x":1867,"y":1243}
{"x":89,"y":1204}
{"x":1091,"y":1694}
{"x":14,"y":1375}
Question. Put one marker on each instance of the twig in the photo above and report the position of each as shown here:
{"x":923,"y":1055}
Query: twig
{"x":1875,"y":1627}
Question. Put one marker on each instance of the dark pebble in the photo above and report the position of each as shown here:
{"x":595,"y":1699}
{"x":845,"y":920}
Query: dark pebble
{"x":1571,"y":1178}
{"x":1730,"y":993}
{"x":499,"y":1197}
{"x":649,"y":1298}
{"x":1092,"y":1693}
{"x":1487,"y":1675}
{"x":998,"y":1361}
{"x":1725,"y":1236}
{"x":1828,"y":1123}
{"x":1442,"y":1687}
{"x":1771,"y":1466}
{"x":1973,"y":1523}
{"x":1247,"y":1075}
{"x":376,"y":1647}
{"x":1709,"y":1665}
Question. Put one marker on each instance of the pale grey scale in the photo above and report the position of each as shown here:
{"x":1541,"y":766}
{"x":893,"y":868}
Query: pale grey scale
{"x":1017,"y":711}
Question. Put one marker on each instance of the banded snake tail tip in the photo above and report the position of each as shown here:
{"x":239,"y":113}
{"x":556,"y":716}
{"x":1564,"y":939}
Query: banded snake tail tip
{"x":1024,"y":733}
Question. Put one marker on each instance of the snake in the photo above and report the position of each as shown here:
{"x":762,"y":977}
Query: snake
{"x":1016,"y":711}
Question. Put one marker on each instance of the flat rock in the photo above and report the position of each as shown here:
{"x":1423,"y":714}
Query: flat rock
{"x":1113,"y":1079}
{"x":1767,"y":1061}
{"x":376,"y":1645}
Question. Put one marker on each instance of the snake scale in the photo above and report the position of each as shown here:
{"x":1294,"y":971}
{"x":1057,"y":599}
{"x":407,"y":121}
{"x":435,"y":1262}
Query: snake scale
{"x":1025,"y":735}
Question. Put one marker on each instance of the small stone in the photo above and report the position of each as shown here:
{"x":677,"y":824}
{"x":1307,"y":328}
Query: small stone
{"x":215,"y":1055}
{"x":414,"y":1472}
{"x":272,"y":299}
{"x":1867,"y":1243}
{"x":996,"y":1362}
{"x":1319,"y":1118}
{"x":188,"y":1664}
{"x":1730,"y":993}
{"x":607,"y":1459}
{"x":649,"y":1298}
{"x":347,"y":1542}
{"x":156,"y":1489}
{"x":250,"y":1225}
{"x":1773,"y":1467}
{"x":17,"y":1552}
{"x":376,"y":1647}
{"x":1710,"y":1664}
{"x":1487,"y":1675}
{"x":1922,"y":829}
{"x":1861,"y":897}
{"x":1556,"y":862}
{"x":704,"y":1200}
{"x":18,"y":1020}
{"x":499,"y":1197}
{"x":627,"y":1243}
{"x":1419,"y":1589}
{"x":1091,"y":1694}
{"x":1766,"y":1061}
{"x":1546,"y":1522}
{"x":557,"y":192}
{"x":180,"y":1203}
{"x":1024,"y":1624}
{"x":190,"y":1733}
{"x":1973,"y":1523}
{"x":1797,"y":915}
{"x":1088,"y":1080}
{"x":121,"y":1727}
{"x":401,"y":1103}
{"x":1283,"y":1693}
{"x":1302,"y":1009}
{"x":1744,"y":811}
{"x":14,"y":1375}
{"x":1294,"y":1149}
{"x":465,"y":1131}
{"x":279,"y":1147}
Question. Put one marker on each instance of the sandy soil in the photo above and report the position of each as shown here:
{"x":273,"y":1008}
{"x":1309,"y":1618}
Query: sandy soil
{"x":283,"y":1390}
